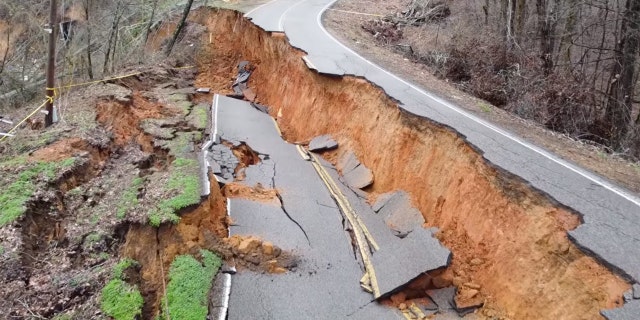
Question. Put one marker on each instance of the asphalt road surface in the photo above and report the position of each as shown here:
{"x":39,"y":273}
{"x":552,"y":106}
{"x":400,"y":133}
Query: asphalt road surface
{"x":611,"y":214}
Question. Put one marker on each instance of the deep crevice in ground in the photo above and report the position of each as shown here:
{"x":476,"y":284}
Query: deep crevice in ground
{"x":501,"y":232}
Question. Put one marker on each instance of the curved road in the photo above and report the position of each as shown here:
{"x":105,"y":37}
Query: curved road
{"x":611,"y":228}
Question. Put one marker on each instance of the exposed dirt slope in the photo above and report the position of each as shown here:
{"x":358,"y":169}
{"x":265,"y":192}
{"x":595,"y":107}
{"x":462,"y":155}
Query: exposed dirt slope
{"x":505,"y":237}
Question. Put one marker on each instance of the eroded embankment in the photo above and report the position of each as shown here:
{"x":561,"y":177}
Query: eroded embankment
{"x":508,"y":239}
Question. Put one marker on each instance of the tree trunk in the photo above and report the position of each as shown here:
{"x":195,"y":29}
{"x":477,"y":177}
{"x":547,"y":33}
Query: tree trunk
{"x":185,"y":14}
{"x":87,"y":5}
{"x":149,"y":25}
{"x":520,"y":19}
{"x":620,"y":95}
{"x":546,"y":36}
{"x":566,"y":42}
{"x":112,"y":34}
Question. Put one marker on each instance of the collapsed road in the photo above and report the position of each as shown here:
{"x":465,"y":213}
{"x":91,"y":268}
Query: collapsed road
{"x":609,"y":215}
{"x":311,"y":221}
{"x":330,"y":188}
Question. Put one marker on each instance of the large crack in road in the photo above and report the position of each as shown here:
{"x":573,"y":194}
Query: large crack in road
{"x":499,"y":242}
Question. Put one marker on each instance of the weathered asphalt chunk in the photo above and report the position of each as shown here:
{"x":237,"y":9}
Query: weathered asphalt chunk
{"x":402,"y":261}
{"x":348,"y":162}
{"x":354,"y":174}
{"x":444,"y":298}
{"x":358,"y":178}
{"x":322,"y":143}
{"x":399,"y":214}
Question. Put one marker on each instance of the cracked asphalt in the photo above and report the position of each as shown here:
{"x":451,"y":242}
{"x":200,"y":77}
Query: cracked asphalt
{"x":611,"y":214}
{"x":305,"y":221}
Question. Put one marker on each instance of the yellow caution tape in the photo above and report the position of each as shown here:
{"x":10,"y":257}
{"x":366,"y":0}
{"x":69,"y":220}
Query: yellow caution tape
{"x":27,"y":117}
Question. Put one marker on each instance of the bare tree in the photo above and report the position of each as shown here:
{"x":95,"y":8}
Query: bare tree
{"x":621,"y":90}
{"x":185,"y":14}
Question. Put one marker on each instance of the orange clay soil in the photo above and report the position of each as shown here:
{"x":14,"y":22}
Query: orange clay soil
{"x":155,"y":248}
{"x":507,"y":240}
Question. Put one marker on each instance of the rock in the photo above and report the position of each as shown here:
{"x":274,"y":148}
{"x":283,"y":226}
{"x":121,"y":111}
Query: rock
{"x":628,"y":296}
{"x":399,"y":297}
{"x":229,"y":267}
{"x":267,"y":248}
{"x":402,"y":306}
{"x":276,"y":251}
{"x":636,"y":291}
{"x":321,"y":143}
{"x":468,"y":294}
{"x":472,"y":285}
{"x":249,"y":94}
{"x":247,"y":245}
{"x":442,"y":281}
{"x":476,"y":262}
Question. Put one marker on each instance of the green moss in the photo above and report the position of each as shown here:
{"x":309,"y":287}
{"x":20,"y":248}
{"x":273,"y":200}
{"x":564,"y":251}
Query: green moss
{"x":185,"y":185}
{"x":199,"y":116}
{"x":189,"y":285}
{"x":121,"y":300}
{"x":130,"y":198}
{"x":92,"y":238}
{"x":123,"y":265}
{"x":14,"y":198}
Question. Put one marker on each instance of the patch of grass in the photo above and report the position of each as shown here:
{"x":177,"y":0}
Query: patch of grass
{"x":13,"y":162}
{"x":119,"y":299}
{"x":486,"y":108}
{"x":92,"y":238}
{"x":123,"y":265}
{"x":199,"y":116}
{"x":185,"y":184}
{"x":130,"y":198}
{"x":189,"y":285}
{"x":16,"y":195}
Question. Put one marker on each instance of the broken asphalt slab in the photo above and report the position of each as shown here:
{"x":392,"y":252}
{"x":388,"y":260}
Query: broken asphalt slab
{"x":358,"y":178}
{"x":398,"y":213}
{"x":403,"y":261}
{"x":322,"y":143}
{"x":398,"y":260}
{"x":354,"y":174}
{"x":348,"y":162}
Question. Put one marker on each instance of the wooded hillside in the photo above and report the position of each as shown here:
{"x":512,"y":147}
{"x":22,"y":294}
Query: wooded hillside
{"x":571,"y":65}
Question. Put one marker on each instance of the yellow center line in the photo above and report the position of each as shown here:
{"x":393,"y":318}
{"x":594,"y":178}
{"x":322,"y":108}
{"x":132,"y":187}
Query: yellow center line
{"x":358,"y":232}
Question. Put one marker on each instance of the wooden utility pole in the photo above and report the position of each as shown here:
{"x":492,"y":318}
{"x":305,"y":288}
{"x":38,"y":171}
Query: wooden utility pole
{"x":51,"y":64}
